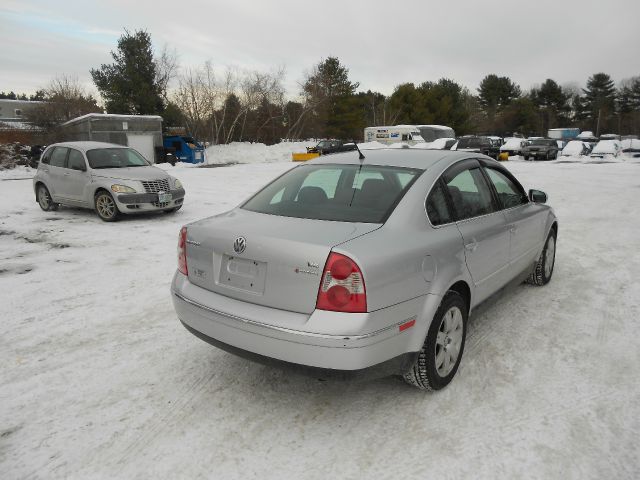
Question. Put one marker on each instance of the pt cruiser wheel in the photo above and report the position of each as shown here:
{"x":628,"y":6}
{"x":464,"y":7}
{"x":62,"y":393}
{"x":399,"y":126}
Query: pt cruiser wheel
{"x":44,"y":199}
{"x":441,"y":353}
{"x":106,"y":207}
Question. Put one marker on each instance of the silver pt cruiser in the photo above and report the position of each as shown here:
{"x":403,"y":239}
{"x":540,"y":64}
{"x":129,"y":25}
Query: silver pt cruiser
{"x":110,"y":178}
{"x":349,"y":266}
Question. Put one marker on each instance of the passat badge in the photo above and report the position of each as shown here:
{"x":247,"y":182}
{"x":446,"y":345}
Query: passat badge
{"x":239,"y":245}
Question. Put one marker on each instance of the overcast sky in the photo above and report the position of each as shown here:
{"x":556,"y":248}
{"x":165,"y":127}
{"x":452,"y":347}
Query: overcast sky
{"x":383,"y":43}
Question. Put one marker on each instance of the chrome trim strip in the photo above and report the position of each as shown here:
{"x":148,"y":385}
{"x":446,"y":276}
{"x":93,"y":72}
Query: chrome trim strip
{"x":289,"y":330}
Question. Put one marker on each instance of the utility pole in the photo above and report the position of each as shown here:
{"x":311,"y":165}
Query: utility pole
{"x":598,"y":124}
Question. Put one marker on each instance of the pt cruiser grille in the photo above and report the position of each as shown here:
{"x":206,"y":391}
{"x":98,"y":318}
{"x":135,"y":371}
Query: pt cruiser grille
{"x":155,"y":186}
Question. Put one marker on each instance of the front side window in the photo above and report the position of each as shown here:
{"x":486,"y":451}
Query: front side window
{"x":470,"y":194}
{"x":115,"y":158}
{"x":509,"y":193}
{"x":58,"y":157}
{"x":346,"y":193}
{"x":76,"y":160}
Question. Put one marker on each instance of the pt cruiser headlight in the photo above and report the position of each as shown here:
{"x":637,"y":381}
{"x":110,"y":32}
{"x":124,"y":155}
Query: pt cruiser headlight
{"x":177,"y":183}
{"x":122,"y":189}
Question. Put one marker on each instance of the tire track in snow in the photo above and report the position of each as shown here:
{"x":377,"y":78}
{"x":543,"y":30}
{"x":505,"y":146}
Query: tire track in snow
{"x":176,"y":412}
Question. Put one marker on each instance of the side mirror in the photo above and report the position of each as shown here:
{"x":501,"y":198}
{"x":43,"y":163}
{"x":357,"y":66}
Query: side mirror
{"x":537,"y":196}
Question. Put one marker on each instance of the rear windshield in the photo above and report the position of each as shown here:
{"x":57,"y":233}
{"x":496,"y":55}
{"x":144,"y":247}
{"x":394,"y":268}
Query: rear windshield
{"x":115,"y":158}
{"x":474,"y":142}
{"x":343,"y":193}
{"x":542,"y":142}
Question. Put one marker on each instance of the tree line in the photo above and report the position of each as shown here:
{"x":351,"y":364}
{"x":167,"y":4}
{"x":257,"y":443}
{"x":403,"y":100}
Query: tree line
{"x":252,"y":105}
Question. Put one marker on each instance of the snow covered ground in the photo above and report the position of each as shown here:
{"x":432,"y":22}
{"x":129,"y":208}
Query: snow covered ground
{"x":99,"y":380}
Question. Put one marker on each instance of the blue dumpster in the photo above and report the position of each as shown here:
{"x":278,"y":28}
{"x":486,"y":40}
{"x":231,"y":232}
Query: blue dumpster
{"x":186,"y":148}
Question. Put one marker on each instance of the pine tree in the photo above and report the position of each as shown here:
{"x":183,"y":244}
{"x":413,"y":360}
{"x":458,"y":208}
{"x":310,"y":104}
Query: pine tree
{"x":495,"y":93}
{"x":553,"y":103}
{"x":129,"y":85}
{"x":325,"y":88}
{"x":599,"y":99}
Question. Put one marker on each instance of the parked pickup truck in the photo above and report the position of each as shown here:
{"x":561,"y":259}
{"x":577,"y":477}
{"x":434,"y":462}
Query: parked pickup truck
{"x":325,"y":147}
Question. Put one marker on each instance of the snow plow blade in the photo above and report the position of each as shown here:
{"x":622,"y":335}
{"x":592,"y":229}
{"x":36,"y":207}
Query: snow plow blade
{"x":303,"y":157}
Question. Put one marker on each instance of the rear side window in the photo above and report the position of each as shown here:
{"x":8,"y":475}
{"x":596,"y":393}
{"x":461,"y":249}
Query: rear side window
{"x":437,"y":208}
{"x":347,"y":193}
{"x":470,"y":194}
{"x":46,"y":156}
{"x":58,"y":157}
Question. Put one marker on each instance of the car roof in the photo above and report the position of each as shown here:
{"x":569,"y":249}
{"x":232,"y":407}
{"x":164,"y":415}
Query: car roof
{"x":86,"y":145}
{"x":397,"y":157}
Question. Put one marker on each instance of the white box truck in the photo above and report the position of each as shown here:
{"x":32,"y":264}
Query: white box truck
{"x":408,"y":134}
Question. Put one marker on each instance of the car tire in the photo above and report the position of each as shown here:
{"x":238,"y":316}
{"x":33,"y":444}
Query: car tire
{"x":543,"y":269}
{"x":44,"y":199}
{"x":106,"y":207}
{"x":525,"y":157}
{"x":173,"y":210}
{"x":446,"y":337}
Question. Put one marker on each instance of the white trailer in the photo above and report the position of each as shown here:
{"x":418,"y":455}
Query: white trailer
{"x":408,"y":134}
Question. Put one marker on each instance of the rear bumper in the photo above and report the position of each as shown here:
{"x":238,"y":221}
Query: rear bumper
{"x":246,"y":330}
{"x":394,"y":366}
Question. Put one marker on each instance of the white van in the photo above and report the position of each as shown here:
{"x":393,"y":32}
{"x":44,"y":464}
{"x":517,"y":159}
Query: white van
{"x":434,"y":132}
{"x":408,"y":134}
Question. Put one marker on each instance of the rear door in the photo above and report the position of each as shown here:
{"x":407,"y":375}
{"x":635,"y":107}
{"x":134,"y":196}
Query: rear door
{"x":74,"y":178}
{"x":57,"y":169}
{"x":482,"y":225}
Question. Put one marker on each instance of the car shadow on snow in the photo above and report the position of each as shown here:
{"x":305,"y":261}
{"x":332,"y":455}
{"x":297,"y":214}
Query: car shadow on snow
{"x":255,"y":379}
{"x":78,"y":214}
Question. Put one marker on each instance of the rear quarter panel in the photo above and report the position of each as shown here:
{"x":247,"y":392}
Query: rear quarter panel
{"x":407,"y":257}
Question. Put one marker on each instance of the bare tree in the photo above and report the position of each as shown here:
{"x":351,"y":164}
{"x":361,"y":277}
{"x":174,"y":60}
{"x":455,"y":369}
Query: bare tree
{"x":65,"y":99}
{"x":166,"y":69}
{"x":196,"y":97}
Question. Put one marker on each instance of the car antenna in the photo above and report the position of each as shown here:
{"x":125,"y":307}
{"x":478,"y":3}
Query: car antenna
{"x":360,"y":155}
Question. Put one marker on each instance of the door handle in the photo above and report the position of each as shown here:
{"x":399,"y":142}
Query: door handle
{"x":66,"y":174}
{"x":471,"y":246}
{"x":513,"y":229}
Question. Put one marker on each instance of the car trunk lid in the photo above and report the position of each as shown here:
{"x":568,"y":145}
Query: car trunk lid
{"x":265,"y":259}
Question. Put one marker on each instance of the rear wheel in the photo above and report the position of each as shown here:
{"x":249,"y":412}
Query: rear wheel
{"x":106,"y":207}
{"x":441,"y":352}
{"x":543,"y":268}
{"x":44,"y":199}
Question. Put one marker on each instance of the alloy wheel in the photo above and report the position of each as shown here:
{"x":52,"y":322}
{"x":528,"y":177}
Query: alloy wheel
{"x":106,"y":206}
{"x":43,"y":198}
{"x":449,"y":341}
{"x":550,"y":256}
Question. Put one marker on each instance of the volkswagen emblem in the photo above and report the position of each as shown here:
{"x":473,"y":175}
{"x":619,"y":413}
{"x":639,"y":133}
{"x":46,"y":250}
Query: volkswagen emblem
{"x":239,"y":245}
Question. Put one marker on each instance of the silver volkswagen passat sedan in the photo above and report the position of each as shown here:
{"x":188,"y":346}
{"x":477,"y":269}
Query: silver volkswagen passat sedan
{"x":109,"y":178}
{"x":350,"y":267}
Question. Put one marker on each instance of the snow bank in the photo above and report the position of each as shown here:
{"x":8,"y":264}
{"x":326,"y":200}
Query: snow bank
{"x":371,"y":145}
{"x":19,"y":171}
{"x":245,"y":152}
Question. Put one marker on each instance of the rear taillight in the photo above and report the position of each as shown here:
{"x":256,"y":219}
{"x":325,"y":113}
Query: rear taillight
{"x":182,"y":251}
{"x":342,"y":286}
